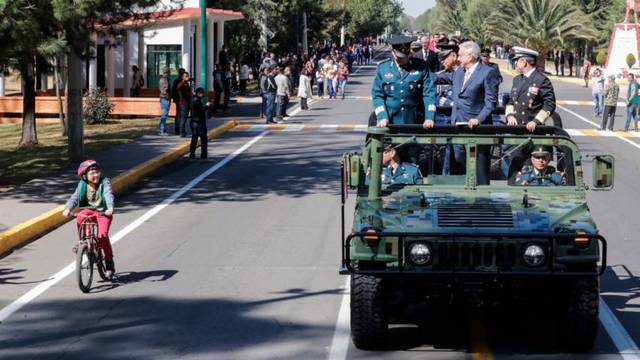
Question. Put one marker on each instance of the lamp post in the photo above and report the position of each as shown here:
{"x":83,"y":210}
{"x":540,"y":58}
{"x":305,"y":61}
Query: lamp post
{"x":203,"y":45}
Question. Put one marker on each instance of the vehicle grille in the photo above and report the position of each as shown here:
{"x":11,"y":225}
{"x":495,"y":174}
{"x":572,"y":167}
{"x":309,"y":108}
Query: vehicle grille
{"x":475,"y":255}
{"x":475,"y":215}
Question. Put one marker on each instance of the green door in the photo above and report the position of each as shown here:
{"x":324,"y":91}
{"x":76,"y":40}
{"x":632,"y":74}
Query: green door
{"x":159,"y":56}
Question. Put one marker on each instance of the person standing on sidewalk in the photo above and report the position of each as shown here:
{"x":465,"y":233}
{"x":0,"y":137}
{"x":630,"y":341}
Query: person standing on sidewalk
{"x":597,"y":90}
{"x":269,"y":88}
{"x":632,"y":103}
{"x":586,"y":72}
{"x":138,"y":81}
{"x":218,"y":87}
{"x":304,"y":89}
{"x":330,"y":70}
{"x":343,"y":77}
{"x":165,"y":100}
{"x":611,"y":91}
{"x":175,"y":96}
{"x":320,"y":82}
{"x":184,"y":93}
{"x":283,"y":92}
{"x":244,"y":77}
{"x":199,"y":124}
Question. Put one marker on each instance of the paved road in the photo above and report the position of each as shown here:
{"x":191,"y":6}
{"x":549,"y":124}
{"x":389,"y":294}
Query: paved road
{"x":241,"y":262}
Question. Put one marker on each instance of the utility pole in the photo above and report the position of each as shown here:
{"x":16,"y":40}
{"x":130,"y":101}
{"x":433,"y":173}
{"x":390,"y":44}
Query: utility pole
{"x":203,"y":45}
{"x":265,"y":36}
{"x":305,"y":44}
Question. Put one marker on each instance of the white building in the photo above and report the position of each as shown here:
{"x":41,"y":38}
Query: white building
{"x":167,"y":39}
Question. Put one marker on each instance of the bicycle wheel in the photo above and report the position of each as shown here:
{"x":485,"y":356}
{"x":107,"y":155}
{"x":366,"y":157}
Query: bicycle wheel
{"x":84,"y":268}
{"x":101,"y":266}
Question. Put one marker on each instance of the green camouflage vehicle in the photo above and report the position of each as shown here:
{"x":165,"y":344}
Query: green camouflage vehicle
{"x":451,"y":240}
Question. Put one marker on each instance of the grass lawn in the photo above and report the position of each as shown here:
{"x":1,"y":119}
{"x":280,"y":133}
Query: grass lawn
{"x":18,"y":166}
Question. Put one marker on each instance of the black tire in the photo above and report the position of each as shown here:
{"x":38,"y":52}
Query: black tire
{"x":100,"y":265}
{"x":84,"y":268}
{"x":582,"y":314}
{"x":369,"y":320}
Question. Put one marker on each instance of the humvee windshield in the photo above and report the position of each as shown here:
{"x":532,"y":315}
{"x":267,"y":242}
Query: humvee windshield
{"x":514,"y":161}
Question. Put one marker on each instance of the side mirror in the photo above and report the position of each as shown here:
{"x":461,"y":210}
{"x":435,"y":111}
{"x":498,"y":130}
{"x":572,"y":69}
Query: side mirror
{"x":353,"y":168}
{"x":603,"y":172}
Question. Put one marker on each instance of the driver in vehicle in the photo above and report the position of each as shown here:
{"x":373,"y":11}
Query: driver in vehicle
{"x":397,"y":172}
{"x":540,"y":173}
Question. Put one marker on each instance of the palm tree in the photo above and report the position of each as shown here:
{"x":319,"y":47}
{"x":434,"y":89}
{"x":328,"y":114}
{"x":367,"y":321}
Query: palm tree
{"x":541,"y":25}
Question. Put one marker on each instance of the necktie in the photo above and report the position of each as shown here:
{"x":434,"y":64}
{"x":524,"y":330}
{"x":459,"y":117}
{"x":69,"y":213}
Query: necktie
{"x":467,"y":73}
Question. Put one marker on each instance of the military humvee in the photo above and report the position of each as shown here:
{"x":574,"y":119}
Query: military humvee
{"x":450,"y":239}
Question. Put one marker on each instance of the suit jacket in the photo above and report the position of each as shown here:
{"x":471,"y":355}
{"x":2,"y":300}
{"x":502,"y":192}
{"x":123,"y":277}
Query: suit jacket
{"x":477,"y":98}
{"x":431,"y":59}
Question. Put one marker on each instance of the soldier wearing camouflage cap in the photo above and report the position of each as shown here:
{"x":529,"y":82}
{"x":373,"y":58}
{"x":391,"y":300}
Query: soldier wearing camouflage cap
{"x":540,"y":173}
{"x":533,"y":99}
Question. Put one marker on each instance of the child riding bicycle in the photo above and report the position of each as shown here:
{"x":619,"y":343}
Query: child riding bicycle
{"x":94,"y":197}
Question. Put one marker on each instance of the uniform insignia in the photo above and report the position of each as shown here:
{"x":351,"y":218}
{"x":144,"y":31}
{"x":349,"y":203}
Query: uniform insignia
{"x":388,"y":76}
{"x":414,"y":72}
{"x":379,"y":109}
{"x":392,"y":88}
{"x":431,"y":107}
{"x":534,"y":90}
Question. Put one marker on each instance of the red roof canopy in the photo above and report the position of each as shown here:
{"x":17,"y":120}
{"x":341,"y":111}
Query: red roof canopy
{"x":182,"y":14}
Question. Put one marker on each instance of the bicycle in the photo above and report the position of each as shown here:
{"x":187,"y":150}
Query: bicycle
{"x":89,"y":253}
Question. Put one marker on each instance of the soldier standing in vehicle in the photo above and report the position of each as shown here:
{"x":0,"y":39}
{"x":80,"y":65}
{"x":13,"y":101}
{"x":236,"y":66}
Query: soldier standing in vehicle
{"x":404,"y":91}
{"x":396,"y":171}
{"x":540,"y":173}
{"x":533,"y":99}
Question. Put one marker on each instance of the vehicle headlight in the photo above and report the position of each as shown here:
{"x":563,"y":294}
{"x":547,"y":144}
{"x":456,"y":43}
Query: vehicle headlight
{"x":419,"y":253}
{"x":533,"y":255}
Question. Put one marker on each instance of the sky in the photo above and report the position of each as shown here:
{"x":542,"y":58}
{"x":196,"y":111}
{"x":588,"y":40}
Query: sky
{"x":416,"y":7}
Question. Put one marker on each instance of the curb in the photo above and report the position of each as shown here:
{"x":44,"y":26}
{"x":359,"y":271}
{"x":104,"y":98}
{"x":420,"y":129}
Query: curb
{"x":48,"y":221}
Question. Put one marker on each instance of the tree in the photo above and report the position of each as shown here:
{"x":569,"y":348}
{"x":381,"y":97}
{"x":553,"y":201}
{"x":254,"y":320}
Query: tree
{"x":541,"y":25}
{"x":369,"y":17}
{"x":28,"y":27}
{"x":475,"y":19}
{"x":451,"y":15}
{"x":630,"y":60}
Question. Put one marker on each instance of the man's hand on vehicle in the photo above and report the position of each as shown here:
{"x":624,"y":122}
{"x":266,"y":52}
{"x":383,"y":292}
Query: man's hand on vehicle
{"x":108,"y":212}
{"x":531,"y":126}
{"x":511,"y":120}
{"x":383,"y":123}
{"x":473,"y":123}
{"x":428,"y":124}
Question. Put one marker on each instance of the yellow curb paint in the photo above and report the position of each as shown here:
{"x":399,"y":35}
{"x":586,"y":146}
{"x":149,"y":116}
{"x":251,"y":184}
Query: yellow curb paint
{"x":590,"y":132}
{"x":345,"y":128}
{"x":277,"y":127}
{"x":241,"y":127}
{"x":310,"y":127}
{"x":43,"y":223}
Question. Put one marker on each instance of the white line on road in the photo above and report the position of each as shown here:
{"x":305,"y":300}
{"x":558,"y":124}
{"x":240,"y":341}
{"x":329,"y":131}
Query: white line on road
{"x":57,"y":277}
{"x":621,"y":338}
{"x":341,"y":334}
{"x":613,"y":134}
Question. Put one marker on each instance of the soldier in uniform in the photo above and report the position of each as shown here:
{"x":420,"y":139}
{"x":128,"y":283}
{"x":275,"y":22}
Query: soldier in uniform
{"x":403,"y":91}
{"x":485,"y":57}
{"x":533,"y":99}
{"x":397,"y":172}
{"x":539,"y":173}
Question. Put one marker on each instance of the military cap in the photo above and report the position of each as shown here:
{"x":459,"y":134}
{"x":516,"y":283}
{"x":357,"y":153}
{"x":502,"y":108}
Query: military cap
{"x":518,"y":52}
{"x":485,"y":52}
{"x":401,"y":44}
{"x":541,"y":151}
{"x":445,"y":49}
{"x":415,"y":45}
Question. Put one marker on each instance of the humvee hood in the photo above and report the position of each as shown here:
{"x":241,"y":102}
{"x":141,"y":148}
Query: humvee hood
{"x":477,"y":211}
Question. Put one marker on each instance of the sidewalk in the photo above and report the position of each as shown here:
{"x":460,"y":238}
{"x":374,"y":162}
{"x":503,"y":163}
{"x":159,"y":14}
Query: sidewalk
{"x":37,"y":196}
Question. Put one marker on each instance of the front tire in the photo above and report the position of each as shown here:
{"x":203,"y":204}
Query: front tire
{"x":582,"y":314}
{"x":84,"y":268}
{"x":369,"y":319}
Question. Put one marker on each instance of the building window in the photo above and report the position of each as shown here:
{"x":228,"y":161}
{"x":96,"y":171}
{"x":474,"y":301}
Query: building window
{"x":159,"y":56}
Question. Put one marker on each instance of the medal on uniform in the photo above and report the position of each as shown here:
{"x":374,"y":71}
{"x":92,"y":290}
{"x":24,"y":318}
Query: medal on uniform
{"x":388,"y":76}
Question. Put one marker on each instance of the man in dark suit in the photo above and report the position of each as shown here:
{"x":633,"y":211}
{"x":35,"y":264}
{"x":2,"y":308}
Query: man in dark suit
{"x":428,"y":55}
{"x":474,"y":99}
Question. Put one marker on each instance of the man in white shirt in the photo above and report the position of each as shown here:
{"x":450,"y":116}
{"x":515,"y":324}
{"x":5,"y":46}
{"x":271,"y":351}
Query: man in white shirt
{"x":244,"y":77}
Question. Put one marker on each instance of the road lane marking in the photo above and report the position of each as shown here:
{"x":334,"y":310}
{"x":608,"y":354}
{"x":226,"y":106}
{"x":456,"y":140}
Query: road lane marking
{"x":69,"y":269}
{"x":342,"y":331}
{"x":614,"y":134}
{"x":621,"y":338}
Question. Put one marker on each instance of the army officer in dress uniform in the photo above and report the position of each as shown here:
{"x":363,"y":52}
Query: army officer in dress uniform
{"x":403,"y":91}
{"x":395,"y":171}
{"x":533,"y":99}
{"x":539,"y":173}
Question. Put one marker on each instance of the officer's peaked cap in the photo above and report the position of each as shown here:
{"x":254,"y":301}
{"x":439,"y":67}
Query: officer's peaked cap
{"x":401,"y":44}
{"x":541,"y":151}
{"x":518,"y":52}
{"x":445,"y":49}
